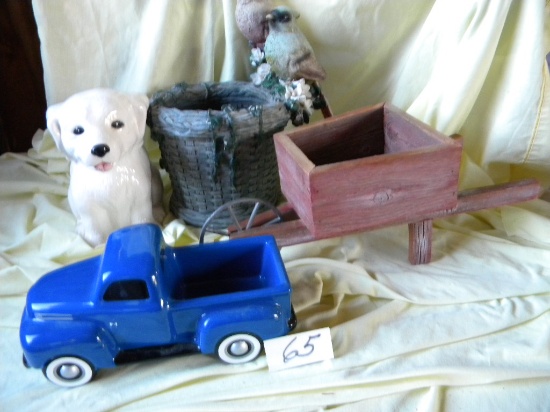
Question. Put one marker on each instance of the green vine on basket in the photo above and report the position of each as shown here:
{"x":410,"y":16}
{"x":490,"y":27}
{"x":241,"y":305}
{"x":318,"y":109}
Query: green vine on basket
{"x":300,"y":97}
{"x":223,"y":147}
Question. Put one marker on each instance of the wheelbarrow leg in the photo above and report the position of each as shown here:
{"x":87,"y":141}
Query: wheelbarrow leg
{"x":420,"y":242}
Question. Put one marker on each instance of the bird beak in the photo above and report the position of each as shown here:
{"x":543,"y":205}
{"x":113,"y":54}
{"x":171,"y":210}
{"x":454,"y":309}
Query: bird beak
{"x":269,"y":17}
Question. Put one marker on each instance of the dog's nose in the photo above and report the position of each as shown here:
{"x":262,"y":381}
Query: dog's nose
{"x":100,"y":150}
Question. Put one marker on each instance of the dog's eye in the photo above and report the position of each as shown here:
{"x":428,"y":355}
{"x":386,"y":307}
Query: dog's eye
{"x":117,"y":124}
{"x":78,"y":130}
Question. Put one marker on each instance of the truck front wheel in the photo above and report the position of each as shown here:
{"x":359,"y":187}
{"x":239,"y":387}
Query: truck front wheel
{"x":69,"y":371}
{"x":239,"y":348}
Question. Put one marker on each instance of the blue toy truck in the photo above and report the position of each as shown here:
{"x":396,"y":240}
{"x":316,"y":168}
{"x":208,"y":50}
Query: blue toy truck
{"x":143,"y":298}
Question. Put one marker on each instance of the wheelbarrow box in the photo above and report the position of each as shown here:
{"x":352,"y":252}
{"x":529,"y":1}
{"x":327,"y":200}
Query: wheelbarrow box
{"x":366,"y":169}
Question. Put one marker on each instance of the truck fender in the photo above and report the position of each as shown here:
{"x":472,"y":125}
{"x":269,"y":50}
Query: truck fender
{"x":84,"y":340}
{"x":261,"y":321}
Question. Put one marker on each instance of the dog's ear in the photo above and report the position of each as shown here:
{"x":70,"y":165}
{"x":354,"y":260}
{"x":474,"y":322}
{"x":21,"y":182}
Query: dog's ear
{"x":52,"y":119}
{"x":140,"y":103}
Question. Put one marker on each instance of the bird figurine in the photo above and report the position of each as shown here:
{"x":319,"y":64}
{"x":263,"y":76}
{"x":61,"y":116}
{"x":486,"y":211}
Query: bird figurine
{"x":250,"y":16}
{"x":287,"y":50}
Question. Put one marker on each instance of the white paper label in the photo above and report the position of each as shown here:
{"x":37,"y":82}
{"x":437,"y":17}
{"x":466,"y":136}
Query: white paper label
{"x":298,"y":349}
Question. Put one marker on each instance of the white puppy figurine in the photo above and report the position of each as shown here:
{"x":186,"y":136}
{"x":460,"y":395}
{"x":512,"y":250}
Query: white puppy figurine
{"x":112,"y":182}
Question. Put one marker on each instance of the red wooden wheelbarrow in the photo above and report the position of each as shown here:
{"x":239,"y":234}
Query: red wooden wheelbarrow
{"x":368,"y":169}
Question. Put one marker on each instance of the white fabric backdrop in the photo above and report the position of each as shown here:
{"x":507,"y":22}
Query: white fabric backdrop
{"x":473,"y":67}
{"x":470,"y":331}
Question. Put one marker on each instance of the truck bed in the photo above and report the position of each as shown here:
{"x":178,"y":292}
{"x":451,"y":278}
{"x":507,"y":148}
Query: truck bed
{"x":223,"y":268}
{"x":198,"y":289}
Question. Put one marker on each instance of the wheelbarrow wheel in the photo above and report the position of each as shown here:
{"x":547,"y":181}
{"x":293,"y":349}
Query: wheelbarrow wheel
{"x":257,"y":206}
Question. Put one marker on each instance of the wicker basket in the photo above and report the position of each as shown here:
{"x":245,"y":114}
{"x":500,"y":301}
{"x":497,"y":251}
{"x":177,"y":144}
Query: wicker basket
{"x":216,"y":142}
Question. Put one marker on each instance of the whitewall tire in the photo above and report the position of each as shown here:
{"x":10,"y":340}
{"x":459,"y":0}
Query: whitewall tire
{"x":69,"y":371}
{"x":239,"y":348}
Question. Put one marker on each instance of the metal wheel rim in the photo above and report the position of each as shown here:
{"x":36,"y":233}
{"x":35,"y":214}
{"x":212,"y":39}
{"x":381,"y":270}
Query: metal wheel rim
{"x":229,"y":207}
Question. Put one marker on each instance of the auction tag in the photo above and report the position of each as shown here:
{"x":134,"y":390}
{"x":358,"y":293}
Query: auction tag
{"x":298,"y":349}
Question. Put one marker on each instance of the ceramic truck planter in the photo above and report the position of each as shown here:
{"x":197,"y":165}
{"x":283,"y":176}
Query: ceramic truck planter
{"x":144,"y":299}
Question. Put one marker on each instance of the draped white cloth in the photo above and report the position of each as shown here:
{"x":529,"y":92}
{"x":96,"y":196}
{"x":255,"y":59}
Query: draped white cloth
{"x":469,"y":331}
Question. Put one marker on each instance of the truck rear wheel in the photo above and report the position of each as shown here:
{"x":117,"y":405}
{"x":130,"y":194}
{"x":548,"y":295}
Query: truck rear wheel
{"x":239,"y":348}
{"x":69,"y":371}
